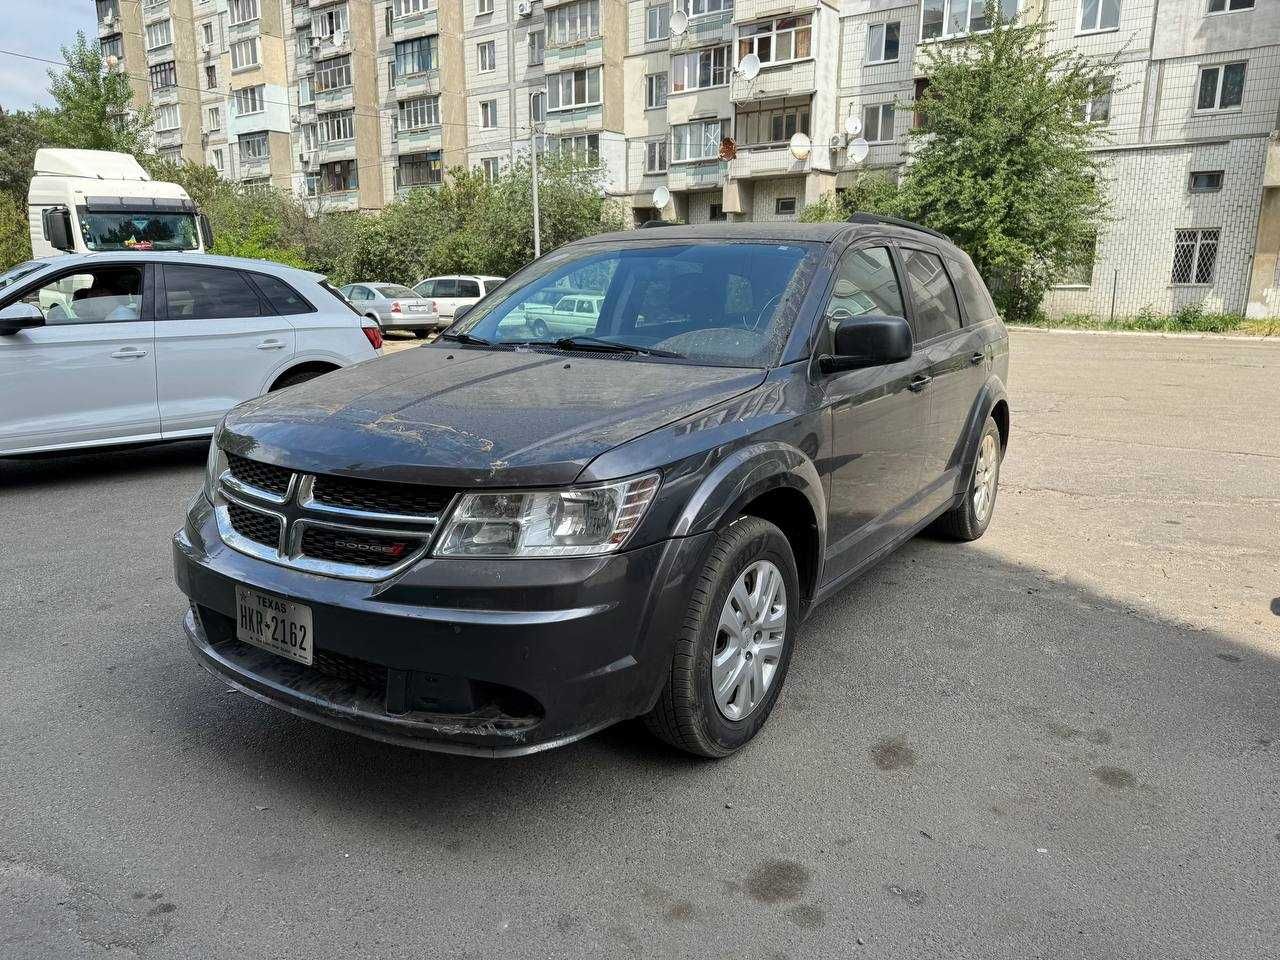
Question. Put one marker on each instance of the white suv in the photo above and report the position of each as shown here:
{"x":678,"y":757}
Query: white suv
{"x":127,"y":348}
{"x":454,"y":291}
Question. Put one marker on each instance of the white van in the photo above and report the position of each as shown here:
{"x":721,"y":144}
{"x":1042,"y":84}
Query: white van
{"x":96,"y":201}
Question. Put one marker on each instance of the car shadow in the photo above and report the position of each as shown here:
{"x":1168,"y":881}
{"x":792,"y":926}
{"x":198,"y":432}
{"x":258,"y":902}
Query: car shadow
{"x":53,"y":469}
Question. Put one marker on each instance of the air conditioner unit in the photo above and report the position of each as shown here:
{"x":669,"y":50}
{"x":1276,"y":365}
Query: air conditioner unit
{"x":836,"y":141}
{"x":315,"y":43}
{"x":524,"y":8}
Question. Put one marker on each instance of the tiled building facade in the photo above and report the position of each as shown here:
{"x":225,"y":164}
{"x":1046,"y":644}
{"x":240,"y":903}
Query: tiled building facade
{"x":348,"y":103}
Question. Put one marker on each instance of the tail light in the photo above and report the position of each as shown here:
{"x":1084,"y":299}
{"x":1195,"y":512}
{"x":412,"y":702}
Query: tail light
{"x":373,"y":334}
{"x":395,"y":306}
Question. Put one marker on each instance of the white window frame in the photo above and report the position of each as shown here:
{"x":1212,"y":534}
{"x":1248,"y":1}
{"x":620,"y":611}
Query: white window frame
{"x":488,"y":114}
{"x":655,"y":92}
{"x":238,"y":53}
{"x":409,"y":8}
{"x":657,"y":22}
{"x":537,"y":106}
{"x":487,"y":49}
{"x":973,"y":6}
{"x":306,"y":92}
{"x":255,"y":138}
{"x":556,"y":88}
{"x":656,"y":153}
{"x":218,"y":162}
{"x":213,"y":119}
{"x":327,"y":21}
{"x":585,"y":146}
{"x":418,"y":113}
{"x":698,"y":134}
{"x":158,"y":39}
{"x":491,"y":167}
{"x":1197,"y":248}
{"x":335,"y":72}
{"x":706,"y":8}
{"x":207,"y":29}
{"x":1217,"y":98}
{"x":247,"y":10}
{"x":250,"y":100}
{"x":167,"y":110}
{"x":881,"y":30}
{"x":749,"y":42}
{"x":537,"y":41}
{"x":678,"y":79}
{"x":881,"y":110}
{"x":1229,"y":6}
{"x":340,"y":122}
{"x":573,"y":23}
{"x":1096,"y":27}
{"x":484,"y":8}
{"x":1100,"y":103}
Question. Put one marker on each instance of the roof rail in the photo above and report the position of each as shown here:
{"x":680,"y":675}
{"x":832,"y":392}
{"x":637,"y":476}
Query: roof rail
{"x":896,"y":222}
{"x":650,"y":224}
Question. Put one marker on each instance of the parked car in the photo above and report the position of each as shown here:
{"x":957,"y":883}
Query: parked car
{"x":100,"y":349}
{"x":394,"y":306}
{"x":570,"y":314}
{"x":450,"y":293}
{"x":499,"y":545}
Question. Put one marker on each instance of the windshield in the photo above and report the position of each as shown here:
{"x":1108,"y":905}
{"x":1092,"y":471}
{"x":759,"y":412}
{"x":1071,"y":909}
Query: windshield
{"x":138,"y":231}
{"x":14,"y":274}
{"x":709,"y":302}
{"x":395,"y":290}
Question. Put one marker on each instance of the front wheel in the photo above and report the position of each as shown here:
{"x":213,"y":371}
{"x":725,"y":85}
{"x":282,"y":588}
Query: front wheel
{"x":969,"y":518}
{"x":731,"y":657}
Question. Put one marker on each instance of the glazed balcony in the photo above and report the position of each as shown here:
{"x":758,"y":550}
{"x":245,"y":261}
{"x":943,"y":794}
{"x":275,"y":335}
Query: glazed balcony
{"x":781,"y":80}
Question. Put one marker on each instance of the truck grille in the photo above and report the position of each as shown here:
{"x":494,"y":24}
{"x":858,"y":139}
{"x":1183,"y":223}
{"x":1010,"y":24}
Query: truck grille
{"x":336,"y":526}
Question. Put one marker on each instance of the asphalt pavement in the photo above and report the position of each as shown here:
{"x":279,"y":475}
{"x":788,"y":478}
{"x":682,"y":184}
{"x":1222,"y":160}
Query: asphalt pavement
{"x":1060,"y":741}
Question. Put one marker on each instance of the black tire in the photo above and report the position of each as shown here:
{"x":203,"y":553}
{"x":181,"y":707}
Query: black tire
{"x":686,"y":714}
{"x":422,"y":334}
{"x":964,"y":521}
{"x":293,"y":379}
{"x":538,"y":327}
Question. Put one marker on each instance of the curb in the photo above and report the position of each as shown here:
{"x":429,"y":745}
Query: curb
{"x":1163,"y":334}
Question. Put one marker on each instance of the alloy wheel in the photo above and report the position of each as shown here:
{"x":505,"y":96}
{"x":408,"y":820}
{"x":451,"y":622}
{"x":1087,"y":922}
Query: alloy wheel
{"x":749,"y":640}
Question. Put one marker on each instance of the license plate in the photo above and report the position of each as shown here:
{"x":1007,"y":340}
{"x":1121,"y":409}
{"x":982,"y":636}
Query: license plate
{"x":417,"y":308}
{"x":279,"y":626}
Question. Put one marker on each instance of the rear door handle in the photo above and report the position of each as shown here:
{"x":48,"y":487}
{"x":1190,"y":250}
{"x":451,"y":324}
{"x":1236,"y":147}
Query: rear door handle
{"x":129,"y":353}
{"x":271,"y":344}
{"x":977,"y":357}
{"x":919,"y":382}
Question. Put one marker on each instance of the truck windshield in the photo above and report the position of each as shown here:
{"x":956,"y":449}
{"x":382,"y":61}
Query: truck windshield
{"x":709,"y":302}
{"x":138,"y":231}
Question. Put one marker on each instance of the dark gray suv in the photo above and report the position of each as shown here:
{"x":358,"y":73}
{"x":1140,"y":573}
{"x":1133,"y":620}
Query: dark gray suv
{"x":502,"y":542}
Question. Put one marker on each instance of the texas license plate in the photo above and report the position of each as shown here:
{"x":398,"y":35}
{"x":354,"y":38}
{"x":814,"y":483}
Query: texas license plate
{"x":279,"y":626}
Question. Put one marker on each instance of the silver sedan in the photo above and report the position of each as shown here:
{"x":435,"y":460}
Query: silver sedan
{"x":395,"y":307}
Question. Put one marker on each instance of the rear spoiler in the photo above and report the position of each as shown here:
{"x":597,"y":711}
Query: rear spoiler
{"x":139,"y":205}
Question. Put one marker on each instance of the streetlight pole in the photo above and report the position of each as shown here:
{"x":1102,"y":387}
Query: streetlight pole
{"x":533,"y":162}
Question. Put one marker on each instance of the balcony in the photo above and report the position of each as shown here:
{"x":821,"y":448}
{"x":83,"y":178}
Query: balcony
{"x":254,"y":168}
{"x":151,"y":12}
{"x":771,"y":160}
{"x":782,"y":80}
{"x":416,"y":83}
{"x":340,"y":201}
{"x":110,"y":26}
{"x":746,"y":11}
{"x":699,"y":175}
{"x":698,"y":105}
{"x":575,"y":120}
{"x":160,"y":54}
{"x":163,"y":95}
{"x":334,"y":45}
{"x":336,"y":150}
{"x":714,"y":28}
{"x":341,"y":98}
{"x":415,"y":25}
{"x":419,"y":141}
{"x":572,"y":56}
{"x":167,"y":138}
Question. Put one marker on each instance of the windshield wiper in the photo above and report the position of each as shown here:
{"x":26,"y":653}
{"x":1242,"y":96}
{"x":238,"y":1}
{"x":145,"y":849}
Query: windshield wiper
{"x":466,"y":338}
{"x":597,"y":344}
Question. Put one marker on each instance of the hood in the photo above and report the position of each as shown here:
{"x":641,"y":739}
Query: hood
{"x":456,"y":416}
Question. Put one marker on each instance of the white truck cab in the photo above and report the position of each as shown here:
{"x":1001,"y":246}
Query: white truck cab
{"x":96,"y":201}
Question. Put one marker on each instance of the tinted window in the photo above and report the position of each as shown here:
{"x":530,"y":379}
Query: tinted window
{"x":866,"y":282}
{"x":468,"y":288}
{"x":102,"y":295}
{"x":284,"y":299}
{"x":447,"y":287}
{"x":208,"y":293}
{"x":973,"y":294}
{"x":936,"y":309}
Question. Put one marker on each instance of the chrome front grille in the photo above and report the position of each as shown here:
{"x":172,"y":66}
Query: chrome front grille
{"x":335,"y":526}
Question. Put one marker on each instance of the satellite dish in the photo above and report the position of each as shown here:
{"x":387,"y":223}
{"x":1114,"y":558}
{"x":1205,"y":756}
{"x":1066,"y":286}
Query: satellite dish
{"x":800,"y":146}
{"x":852,"y":125}
{"x":679,"y":23}
{"x":749,"y":67}
{"x":858,"y":150}
{"x":661,"y":197}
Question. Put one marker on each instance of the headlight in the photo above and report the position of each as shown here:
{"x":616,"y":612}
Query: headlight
{"x":574,"y":522}
{"x":213,"y":468}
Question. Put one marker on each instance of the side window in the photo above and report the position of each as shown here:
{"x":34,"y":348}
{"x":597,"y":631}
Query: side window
{"x":358,"y":293}
{"x":936,"y":309}
{"x":285,"y":300}
{"x":973,"y":292}
{"x":866,"y":282}
{"x":468,"y":288}
{"x":426,"y":289}
{"x":208,"y":293}
{"x":447,"y":287}
{"x":584,"y":306}
{"x":100,"y":295}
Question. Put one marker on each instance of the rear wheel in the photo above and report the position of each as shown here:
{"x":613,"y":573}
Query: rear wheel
{"x":968,"y":519}
{"x":422,"y":334}
{"x":539,"y":328}
{"x":293,"y":379}
{"x":731,"y":657}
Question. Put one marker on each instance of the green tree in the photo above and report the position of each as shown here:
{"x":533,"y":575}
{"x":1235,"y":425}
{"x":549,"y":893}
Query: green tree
{"x":1002,"y":164}
{"x":20,"y":137}
{"x":872,"y":191}
{"x":15,"y":234}
{"x":95,"y":106}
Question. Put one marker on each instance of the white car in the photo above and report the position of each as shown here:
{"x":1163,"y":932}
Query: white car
{"x":394,"y":306}
{"x":104,"y":349}
{"x":454,"y":291}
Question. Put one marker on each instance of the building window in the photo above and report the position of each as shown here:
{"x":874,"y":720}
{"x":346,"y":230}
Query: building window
{"x":777,"y":41}
{"x":882,"y":42}
{"x":415,"y":56}
{"x":1080,"y":274}
{"x":538,"y":106}
{"x":537,"y":47}
{"x":339,"y":176}
{"x":166,"y":117}
{"x":877,"y":123}
{"x":159,"y":34}
{"x":489,"y":114}
{"x":218,"y":161}
{"x":163,"y":75}
{"x":490,"y":167}
{"x":332,"y":74}
{"x":1195,"y":254}
{"x":657,"y":22}
{"x":1206,"y":181}
{"x":108,"y":8}
{"x":310,"y":184}
{"x":756,"y":128}
{"x":213,"y":119}
{"x":1098,"y":108}
{"x":420,"y":170}
{"x":210,"y":77}
{"x":330,"y":20}
{"x":583,"y":147}
{"x":1229,"y":6}
{"x":784,"y":206}
{"x":655,"y":91}
{"x":336,"y":127}
{"x":242,"y":11}
{"x":407,"y":8}
{"x":487,"y":54}
{"x":306,"y":95}
{"x":207,"y":30}
{"x":574,"y":22}
{"x":940,"y":19}
{"x":254,"y":147}
{"x":1099,"y":15}
{"x":418,"y":113}
{"x":1221,"y":87}
{"x":700,"y":69}
{"x":112,"y":46}
{"x":716,"y":213}
{"x":244,"y":53}
{"x":655,"y":156}
{"x":250,"y":100}
{"x":574,"y":88}
{"x":484,"y":7}
{"x":310,"y":137}
{"x":702,"y":8}
{"x":697,"y":141}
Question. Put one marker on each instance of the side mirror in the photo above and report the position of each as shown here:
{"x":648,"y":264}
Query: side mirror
{"x":871,"y":340}
{"x":461,"y":310}
{"x":206,"y":233}
{"x":19,"y":316}
{"x":57,"y":227}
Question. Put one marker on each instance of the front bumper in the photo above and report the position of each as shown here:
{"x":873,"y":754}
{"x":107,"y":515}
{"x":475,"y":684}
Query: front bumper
{"x":493,"y":657}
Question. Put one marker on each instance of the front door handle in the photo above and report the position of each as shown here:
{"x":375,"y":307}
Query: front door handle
{"x":129,"y":353}
{"x":977,"y":357}
{"x":271,"y":344}
{"x":919,"y":382}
